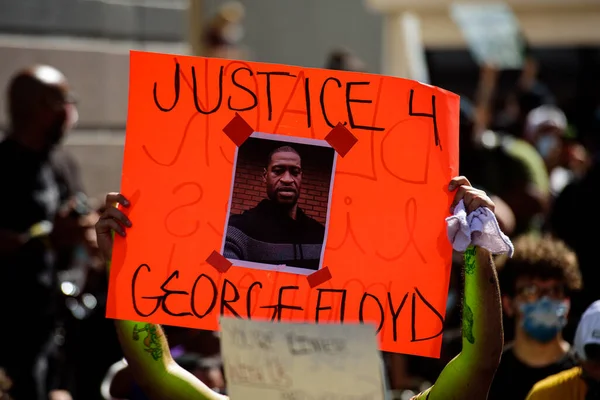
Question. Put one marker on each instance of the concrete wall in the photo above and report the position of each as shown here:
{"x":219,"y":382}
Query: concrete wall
{"x":117,"y":19}
{"x":303,"y":32}
{"x":100,"y":156}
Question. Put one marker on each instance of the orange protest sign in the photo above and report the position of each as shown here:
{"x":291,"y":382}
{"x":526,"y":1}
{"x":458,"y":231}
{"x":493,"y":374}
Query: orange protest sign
{"x":294,"y":194}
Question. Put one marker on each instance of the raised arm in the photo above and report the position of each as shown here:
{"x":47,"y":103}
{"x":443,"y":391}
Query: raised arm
{"x":486,"y":89}
{"x":144,"y":345}
{"x":469,"y":375}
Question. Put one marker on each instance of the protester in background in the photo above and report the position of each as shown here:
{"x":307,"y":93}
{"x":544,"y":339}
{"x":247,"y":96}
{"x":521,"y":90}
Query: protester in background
{"x":528,"y":93}
{"x":344,"y":60}
{"x":225,"y":31}
{"x":583,"y":381}
{"x":510,"y":167}
{"x":535,"y":285}
{"x":33,"y":225}
{"x":546,"y":128}
{"x":578,"y":231}
{"x":484,"y":164}
{"x":84,"y":298}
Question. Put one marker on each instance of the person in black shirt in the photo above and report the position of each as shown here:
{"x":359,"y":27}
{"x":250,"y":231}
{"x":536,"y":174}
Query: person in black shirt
{"x":535,"y":286}
{"x":574,"y":231}
{"x":277,"y":231}
{"x":41,"y":111}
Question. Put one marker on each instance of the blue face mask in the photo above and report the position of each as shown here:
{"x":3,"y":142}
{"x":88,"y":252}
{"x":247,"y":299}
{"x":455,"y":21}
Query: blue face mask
{"x":546,"y":144}
{"x":544,"y":319}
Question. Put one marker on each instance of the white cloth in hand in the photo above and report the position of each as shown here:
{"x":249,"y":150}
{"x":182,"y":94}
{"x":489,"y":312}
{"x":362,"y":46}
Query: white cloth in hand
{"x":479,"y":228}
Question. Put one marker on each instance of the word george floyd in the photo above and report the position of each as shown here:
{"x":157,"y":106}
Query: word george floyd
{"x":204,"y":297}
{"x":241,"y":89}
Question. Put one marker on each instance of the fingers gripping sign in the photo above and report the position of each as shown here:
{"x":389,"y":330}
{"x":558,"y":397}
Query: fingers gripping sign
{"x":471,"y":197}
{"x":473,"y":221}
{"x":112,"y":220}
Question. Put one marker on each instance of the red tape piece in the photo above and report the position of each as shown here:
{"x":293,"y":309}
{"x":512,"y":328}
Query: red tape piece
{"x":219,"y":262}
{"x":238,"y":130}
{"x":321,"y":276}
{"x":341,"y":139}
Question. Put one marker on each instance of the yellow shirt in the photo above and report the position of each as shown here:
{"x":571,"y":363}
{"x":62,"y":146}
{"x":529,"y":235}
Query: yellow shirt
{"x":566,"y":385}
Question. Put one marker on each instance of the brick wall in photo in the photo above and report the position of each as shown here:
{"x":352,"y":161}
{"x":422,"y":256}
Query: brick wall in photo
{"x":249,"y":189}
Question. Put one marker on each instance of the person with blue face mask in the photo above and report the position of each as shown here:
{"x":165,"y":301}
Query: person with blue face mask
{"x":583,"y":381}
{"x":535,"y":286}
{"x":544,"y":128}
{"x":547,"y":129}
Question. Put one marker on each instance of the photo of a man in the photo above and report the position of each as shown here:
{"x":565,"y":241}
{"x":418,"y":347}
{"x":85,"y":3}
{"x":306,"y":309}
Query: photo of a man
{"x":277,"y":231}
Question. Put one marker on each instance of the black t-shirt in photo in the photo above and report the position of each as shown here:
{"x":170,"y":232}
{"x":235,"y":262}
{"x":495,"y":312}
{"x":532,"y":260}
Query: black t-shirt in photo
{"x":514,"y":379}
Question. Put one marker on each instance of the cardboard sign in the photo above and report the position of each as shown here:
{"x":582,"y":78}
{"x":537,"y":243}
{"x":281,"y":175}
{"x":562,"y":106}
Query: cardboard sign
{"x":492,"y":32}
{"x":300,"y":361}
{"x":266,"y":191}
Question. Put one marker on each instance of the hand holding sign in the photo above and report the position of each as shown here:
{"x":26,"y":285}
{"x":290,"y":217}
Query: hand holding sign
{"x":111,"y":220}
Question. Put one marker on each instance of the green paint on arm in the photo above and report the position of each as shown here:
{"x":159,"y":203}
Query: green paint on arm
{"x":151,"y":342}
{"x":468,"y":317}
{"x":470,"y":260}
{"x":467,"y":322}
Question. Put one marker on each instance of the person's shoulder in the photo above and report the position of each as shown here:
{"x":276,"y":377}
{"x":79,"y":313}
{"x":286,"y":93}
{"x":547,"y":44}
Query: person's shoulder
{"x":522,"y":150}
{"x":569,"y":360}
{"x":243,"y":219}
{"x":236,"y":219}
{"x":63,"y":158}
{"x":508,"y":362}
{"x":550,"y":383}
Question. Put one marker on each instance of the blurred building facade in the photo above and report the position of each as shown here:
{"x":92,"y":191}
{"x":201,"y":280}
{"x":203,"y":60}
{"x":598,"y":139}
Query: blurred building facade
{"x":304,"y":32}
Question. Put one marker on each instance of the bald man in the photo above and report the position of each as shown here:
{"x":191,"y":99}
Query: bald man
{"x":41,"y":110}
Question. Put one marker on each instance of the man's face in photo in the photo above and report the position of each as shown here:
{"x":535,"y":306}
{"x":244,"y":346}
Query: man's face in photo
{"x":283,"y":177}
